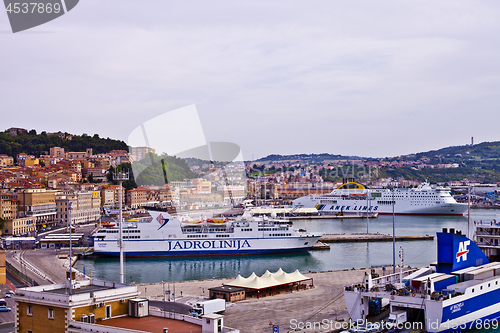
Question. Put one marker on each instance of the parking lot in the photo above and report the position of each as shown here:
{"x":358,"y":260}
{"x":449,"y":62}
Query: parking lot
{"x":6,"y":317}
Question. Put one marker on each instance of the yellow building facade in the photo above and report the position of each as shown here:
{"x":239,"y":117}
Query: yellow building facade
{"x":50,"y":308}
{"x":3,"y":272}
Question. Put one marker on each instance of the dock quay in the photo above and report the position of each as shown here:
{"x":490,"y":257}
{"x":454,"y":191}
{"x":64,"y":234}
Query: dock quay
{"x":377,"y":237}
{"x":320,"y":246}
{"x":294,"y":213}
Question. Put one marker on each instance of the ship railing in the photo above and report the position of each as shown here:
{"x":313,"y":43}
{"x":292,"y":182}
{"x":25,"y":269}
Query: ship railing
{"x":392,"y":278}
{"x":488,"y":233}
{"x":493,"y":223}
{"x":484,"y":241}
{"x":295,"y":209}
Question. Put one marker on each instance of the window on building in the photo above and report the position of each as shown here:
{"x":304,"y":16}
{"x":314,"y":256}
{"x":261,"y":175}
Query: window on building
{"x":108,"y":311}
{"x":51,"y":313}
{"x":29,"y":310}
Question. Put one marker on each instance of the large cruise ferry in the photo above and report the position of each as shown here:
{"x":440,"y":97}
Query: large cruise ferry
{"x":458,"y":294}
{"x":161,"y":234}
{"x":353,"y":197}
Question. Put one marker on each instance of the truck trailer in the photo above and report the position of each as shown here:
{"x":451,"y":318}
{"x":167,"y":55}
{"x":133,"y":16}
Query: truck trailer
{"x":206,"y":307}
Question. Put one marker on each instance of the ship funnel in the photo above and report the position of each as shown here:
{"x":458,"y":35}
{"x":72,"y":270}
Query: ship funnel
{"x":456,"y":252}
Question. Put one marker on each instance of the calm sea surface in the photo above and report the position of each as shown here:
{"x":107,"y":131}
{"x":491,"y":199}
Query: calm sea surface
{"x":340,"y":256}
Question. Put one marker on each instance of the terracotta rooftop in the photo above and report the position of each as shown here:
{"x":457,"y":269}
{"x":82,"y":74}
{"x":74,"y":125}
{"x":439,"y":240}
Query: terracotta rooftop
{"x":152,"y":324}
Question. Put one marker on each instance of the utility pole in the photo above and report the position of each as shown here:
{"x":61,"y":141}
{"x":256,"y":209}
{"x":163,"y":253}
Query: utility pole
{"x":121,"y":176}
{"x":70,"y":206}
{"x":469,"y":229}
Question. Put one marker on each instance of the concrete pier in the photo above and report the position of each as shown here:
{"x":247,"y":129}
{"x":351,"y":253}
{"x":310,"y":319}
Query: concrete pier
{"x":346,"y":238}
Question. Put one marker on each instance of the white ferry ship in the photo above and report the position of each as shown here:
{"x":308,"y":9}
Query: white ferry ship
{"x":460,"y":293}
{"x":165,"y":235}
{"x":353,"y":197}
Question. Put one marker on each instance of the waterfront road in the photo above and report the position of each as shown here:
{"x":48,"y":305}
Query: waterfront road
{"x":49,"y":262}
{"x":45,"y":266}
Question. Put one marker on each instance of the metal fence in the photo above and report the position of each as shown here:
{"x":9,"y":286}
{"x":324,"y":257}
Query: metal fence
{"x":20,"y":275}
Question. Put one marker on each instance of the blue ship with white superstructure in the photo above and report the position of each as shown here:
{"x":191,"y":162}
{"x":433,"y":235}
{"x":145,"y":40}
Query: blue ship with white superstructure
{"x":460,"y":293}
{"x":162,"y":234}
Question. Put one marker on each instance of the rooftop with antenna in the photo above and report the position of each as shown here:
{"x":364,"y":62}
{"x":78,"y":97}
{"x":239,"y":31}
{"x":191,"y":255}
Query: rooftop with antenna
{"x":121,"y":175}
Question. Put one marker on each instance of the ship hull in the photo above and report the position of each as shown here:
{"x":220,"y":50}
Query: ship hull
{"x":400,"y":207}
{"x":201,"y":254}
{"x":468,"y":313}
{"x":206,"y":247}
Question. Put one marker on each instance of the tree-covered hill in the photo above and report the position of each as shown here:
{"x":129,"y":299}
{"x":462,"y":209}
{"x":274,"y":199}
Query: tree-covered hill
{"x":306,"y":158}
{"x":480,"y":151}
{"x":36,"y":144}
{"x":159,"y":170}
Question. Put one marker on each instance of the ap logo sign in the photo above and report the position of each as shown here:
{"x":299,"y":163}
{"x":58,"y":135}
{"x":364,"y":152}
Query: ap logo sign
{"x":462,"y":250}
{"x":25,"y":14}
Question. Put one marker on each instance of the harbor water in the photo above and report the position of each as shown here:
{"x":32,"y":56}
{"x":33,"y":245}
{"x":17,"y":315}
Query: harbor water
{"x":340,"y":256}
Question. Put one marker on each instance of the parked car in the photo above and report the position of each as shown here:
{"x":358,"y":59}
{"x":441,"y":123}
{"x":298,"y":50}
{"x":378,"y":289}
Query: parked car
{"x":351,"y":330}
{"x":7,"y":295}
{"x":3,"y":308}
{"x":10,"y":292}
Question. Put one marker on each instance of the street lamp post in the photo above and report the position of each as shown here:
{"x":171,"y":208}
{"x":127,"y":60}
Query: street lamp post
{"x":393,"y":236}
{"x":367,"y":208}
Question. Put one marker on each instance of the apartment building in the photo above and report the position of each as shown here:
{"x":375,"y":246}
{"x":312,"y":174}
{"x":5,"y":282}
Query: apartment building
{"x":14,"y":225}
{"x":138,"y":153}
{"x":6,"y":160}
{"x":110,"y":196}
{"x":236,"y":192}
{"x":137,"y":197}
{"x":85,"y":206}
{"x":8,"y":206}
{"x":19,"y":226}
{"x":39,"y":204}
{"x":202,"y":186}
{"x":57,"y":152}
{"x":22,"y":157}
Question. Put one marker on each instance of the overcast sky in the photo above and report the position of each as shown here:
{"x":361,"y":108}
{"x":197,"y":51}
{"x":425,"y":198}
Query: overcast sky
{"x":367,"y":78}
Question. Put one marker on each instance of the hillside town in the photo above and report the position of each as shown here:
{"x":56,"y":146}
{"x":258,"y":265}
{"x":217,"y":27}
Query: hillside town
{"x":35,"y":191}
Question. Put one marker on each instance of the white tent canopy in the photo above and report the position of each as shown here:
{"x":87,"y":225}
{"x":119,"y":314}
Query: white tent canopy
{"x":268,"y":280}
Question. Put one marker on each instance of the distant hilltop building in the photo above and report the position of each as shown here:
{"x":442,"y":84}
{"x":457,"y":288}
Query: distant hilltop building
{"x":138,"y":153}
{"x":16,"y":131}
{"x":59,"y":134}
{"x":74,"y":155}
